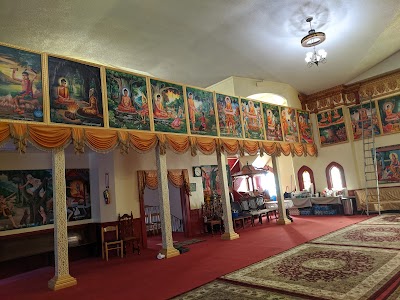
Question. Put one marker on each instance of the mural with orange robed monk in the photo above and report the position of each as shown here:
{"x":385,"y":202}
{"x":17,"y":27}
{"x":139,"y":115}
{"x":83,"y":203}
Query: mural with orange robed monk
{"x":272,"y":122}
{"x":389,"y":109}
{"x":289,"y":124}
{"x":75,"y":93}
{"x":252,"y":119}
{"x":230,"y":124}
{"x":331,"y":126}
{"x":305,"y":127}
{"x":168,"y":106}
{"x":361,"y":117}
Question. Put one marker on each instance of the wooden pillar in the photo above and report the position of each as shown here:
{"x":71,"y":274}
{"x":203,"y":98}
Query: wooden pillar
{"x":61,"y":278}
{"x":165,"y":211}
{"x":283,"y":220}
{"x":229,"y":233}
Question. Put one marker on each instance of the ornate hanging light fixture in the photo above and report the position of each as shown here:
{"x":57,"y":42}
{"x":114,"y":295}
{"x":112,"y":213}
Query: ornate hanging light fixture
{"x":313,"y":39}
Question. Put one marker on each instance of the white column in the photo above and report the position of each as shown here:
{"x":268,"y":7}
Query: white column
{"x":61,"y":278}
{"x":165,"y":210}
{"x":283,"y":220}
{"x":229,"y":233}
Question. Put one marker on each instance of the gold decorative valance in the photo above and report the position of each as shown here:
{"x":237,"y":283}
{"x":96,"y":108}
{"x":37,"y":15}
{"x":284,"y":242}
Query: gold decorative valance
{"x":105,"y":140}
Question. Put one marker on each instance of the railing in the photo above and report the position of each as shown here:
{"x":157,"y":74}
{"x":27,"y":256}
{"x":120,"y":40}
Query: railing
{"x":152,"y":217}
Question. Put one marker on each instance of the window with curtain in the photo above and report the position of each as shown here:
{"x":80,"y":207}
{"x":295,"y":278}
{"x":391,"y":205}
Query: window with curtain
{"x":335,"y":176}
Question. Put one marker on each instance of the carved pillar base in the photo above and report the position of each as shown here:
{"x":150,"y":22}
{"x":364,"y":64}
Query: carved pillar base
{"x":61,"y":282}
{"x":229,"y":236}
{"x":170,"y":252}
{"x":283,"y":221}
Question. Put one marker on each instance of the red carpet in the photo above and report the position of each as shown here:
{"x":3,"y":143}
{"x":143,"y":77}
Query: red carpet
{"x":145,"y":277}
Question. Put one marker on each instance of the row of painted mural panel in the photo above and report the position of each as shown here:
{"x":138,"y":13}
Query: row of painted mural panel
{"x":75,"y":96}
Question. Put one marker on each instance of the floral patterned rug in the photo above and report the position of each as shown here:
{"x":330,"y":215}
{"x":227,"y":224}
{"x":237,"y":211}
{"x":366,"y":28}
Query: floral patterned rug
{"x":227,"y":291}
{"x":384,"y":219}
{"x":381,"y":236}
{"x":325,"y":271}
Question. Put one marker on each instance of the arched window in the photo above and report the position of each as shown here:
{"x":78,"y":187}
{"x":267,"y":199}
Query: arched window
{"x":335,"y":176}
{"x":305,"y":177}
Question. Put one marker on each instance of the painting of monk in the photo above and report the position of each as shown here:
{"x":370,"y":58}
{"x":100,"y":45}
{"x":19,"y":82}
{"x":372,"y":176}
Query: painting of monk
{"x":272,"y":121}
{"x":230,"y":124}
{"x":75,"y":93}
{"x":389,"y":109}
{"x":252,"y":119}
{"x":388,"y":164}
{"x":305,"y":127}
{"x":127,"y":100}
{"x":201,"y":111}
{"x":21,"y":96}
{"x":168,"y":106}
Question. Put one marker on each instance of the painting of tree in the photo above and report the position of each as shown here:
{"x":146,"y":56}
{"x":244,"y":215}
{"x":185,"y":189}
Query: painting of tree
{"x":21,"y":96}
{"x":127,"y":100}
{"x":168,"y":107}
{"x":201,"y":111}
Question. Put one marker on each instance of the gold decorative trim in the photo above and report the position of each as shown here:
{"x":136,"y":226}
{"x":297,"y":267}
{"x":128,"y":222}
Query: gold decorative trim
{"x":170,"y":252}
{"x":229,"y":236}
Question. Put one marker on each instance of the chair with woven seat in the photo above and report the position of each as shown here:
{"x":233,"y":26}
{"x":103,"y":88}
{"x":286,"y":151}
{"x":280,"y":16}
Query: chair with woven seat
{"x":110,"y":241}
{"x":127,"y":234}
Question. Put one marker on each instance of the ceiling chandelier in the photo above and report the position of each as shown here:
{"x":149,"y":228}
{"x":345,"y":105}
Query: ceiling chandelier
{"x":313,"y":39}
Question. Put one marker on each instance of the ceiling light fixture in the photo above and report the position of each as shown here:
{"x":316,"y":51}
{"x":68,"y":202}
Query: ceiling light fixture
{"x":313,"y":39}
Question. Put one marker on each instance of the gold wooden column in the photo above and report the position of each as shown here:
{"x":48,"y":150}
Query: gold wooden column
{"x":229,"y":233}
{"x":61,"y":278}
{"x":165,"y":210}
{"x":283,"y":220}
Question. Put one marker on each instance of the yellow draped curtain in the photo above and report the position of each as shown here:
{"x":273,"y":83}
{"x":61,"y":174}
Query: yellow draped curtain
{"x":178,"y":178}
{"x":105,"y":140}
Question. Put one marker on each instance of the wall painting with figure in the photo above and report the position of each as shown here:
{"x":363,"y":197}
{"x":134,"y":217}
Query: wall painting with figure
{"x":127,"y":101}
{"x":272,"y":122}
{"x":75,"y":93}
{"x":388,"y":164}
{"x":26,"y":197}
{"x":331,"y":126}
{"x":21,"y":94}
{"x":168,"y":107}
{"x":305,"y":127}
{"x":361,"y":117}
{"x":230,"y":124}
{"x":201,"y":111}
{"x":289,"y":124}
{"x":389,"y":109}
{"x":210,"y":179}
{"x":252,"y":119}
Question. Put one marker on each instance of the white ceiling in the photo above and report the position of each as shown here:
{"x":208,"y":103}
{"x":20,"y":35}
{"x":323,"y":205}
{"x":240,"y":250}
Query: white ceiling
{"x":201,"y":42}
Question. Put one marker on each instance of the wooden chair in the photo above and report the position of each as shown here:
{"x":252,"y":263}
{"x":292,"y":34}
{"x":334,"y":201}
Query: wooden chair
{"x":110,"y":241}
{"x":156,"y":220}
{"x":150,"y":226}
{"x":126,"y":233}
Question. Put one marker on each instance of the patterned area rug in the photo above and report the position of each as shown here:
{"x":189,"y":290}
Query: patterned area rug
{"x":384,"y":219}
{"x":325,"y":271}
{"x":226,"y":291}
{"x":381,"y":236}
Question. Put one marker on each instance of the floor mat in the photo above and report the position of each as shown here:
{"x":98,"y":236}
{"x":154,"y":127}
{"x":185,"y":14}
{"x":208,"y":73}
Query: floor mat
{"x":224,"y":290}
{"x":381,"y":236}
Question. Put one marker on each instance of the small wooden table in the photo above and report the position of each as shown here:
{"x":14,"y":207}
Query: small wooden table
{"x":211,"y":224}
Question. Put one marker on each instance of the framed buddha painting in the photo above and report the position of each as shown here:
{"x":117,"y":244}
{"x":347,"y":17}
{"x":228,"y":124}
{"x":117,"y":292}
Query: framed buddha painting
{"x":127,"y":100}
{"x":168,"y":106}
{"x":364,"y":119}
{"x":202,"y":119}
{"x":252,"y":119}
{"x":289,"y":124}
{"x":75,"y":93}
{"x":389,"y":110}
{"x":21,"y":94}
{"x":272,"y":121}
{"x":305,"y":127}
{"x":230,"y":124}
{"x":331,"y":126}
